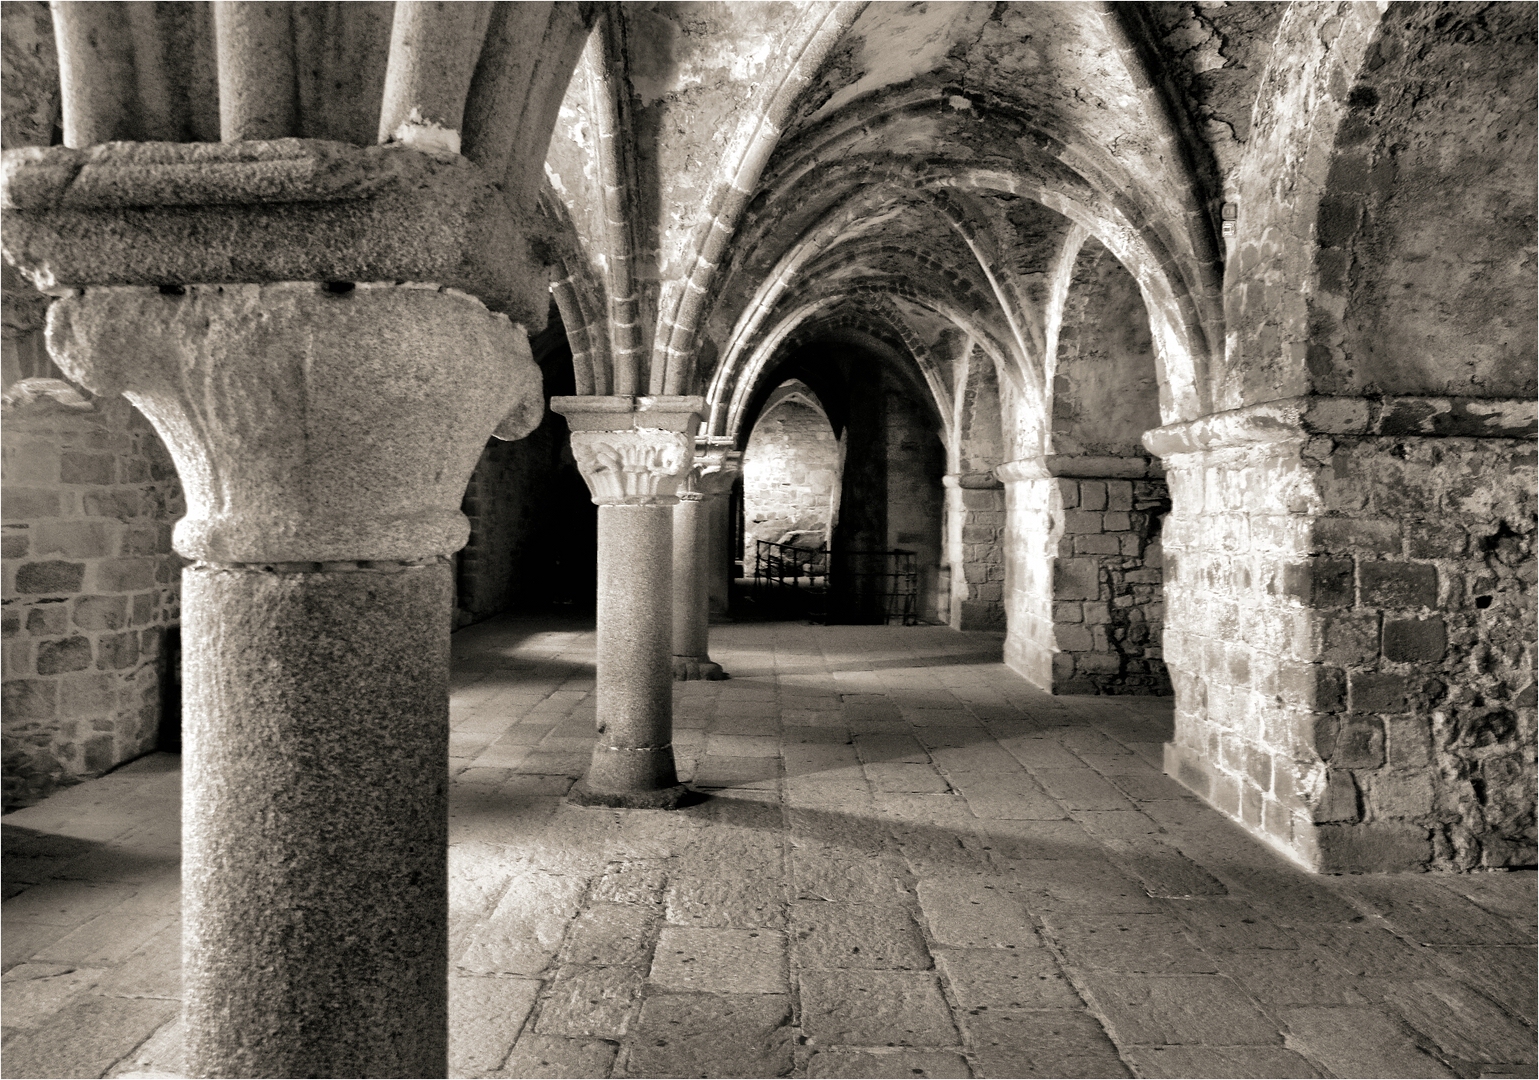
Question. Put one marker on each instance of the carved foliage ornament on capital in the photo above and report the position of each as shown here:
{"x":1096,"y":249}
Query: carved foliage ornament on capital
{"x":308,"y":426}
{"x":643,"y":466}
{"x":714,"y":472}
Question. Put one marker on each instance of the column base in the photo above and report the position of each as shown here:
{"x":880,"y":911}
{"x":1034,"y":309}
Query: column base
{"x":669,"y":798}
{"x":631,"y":773}
{"x":692,"y":668}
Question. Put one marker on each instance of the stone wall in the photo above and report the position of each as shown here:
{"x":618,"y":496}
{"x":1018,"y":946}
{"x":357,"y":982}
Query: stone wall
{"x":975,"y":520}
{"x":90,"y":588}
{"x":1085,"y":577}
{"x":1108,"y":588}
{"x":790,"y":474}
{"x":1352,"y":644}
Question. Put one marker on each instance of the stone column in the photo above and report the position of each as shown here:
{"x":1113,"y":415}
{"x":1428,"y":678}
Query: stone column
{"x":723,"y":554}
{"x":634,"y":454}
{"x":708,"y":482}
{"x":324,"y":437}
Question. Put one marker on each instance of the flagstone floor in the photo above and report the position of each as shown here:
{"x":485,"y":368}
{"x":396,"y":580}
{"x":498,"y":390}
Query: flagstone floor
{"x":908,"y":862}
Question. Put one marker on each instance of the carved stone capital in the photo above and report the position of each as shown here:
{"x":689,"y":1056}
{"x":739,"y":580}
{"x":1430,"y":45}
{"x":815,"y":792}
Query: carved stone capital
{"x":715,"y":470}
{"x":640,"y":466}
{"x":307,"y":425}
{"x":633,"y":450}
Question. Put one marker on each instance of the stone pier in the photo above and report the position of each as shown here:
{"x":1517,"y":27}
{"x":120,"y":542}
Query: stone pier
{"x":1343,"y":577}
{"x":1086,"y":604}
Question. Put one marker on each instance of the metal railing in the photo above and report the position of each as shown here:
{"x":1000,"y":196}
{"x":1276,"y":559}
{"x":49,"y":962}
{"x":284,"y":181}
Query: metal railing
{"x":782,"y":566}
{"x":844,"y":586}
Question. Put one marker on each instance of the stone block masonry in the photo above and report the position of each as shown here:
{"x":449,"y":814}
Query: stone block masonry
{"x":1352,"y":646}
{"x":1085,"y":573}
{"x":1108,"y":616}
{"x":975,"y":534}
{"x":90,"y":588}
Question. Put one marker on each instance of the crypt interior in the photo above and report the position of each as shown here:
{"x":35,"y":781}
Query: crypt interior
{"x":769,"y":539}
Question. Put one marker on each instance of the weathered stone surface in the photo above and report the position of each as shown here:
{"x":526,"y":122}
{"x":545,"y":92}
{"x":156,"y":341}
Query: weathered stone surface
{"x":827,"y":1063}
{"x":983,"y":979}
{"x":550,"y":1056}
{"x":1246,"y":1061}
{"x":975,"y":914}
{"x":836,"y":936}
{"x":1356,"y":1042}
{"x":865,"y":1008}
{"x":524,"y":932}
{"x":101,"y":1030}
{"x":1451,"y":1015}
{"x":485,"y":1015}
{"x":1132,"y":943}
{"x":706,"y":899}
{"x":31,"y":992}
{"x":611,"y":934}
{"x":711,"y":1035}
{"x":1049,"y":1042}
{"x":1178,"y":1010}
{"x":720,"y":960}
{"x":590,"y":1002}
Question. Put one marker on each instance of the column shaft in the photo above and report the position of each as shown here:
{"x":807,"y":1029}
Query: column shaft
{"x":633,"y":760}
{"x":691,"y":590}
{"x":719,"y":533}
{"x":315,"y":900}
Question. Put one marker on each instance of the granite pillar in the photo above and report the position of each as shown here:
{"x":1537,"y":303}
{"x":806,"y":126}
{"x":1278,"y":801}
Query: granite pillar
{"x":707,"y":483}
{"x":314,"y":880}
{"x":634,"y":454}
{"x":324,"y":437}
{"x":723,"y":552}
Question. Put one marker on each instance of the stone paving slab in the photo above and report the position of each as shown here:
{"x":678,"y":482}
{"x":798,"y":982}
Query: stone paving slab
{"x":1218,"y":1061}
{"x":909,"y":863}
{"x":915,"y":1063}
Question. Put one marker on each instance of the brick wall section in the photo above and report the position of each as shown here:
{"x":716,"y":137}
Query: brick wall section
{"x":790,"y":473}
{"x":90,"y":586}
{"x":976,"y":518}
{"x":1352,"y":646}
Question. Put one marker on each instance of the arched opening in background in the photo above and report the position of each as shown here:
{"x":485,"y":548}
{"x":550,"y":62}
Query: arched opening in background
{"x":790,"y":473}
{"x":884,"y":475}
